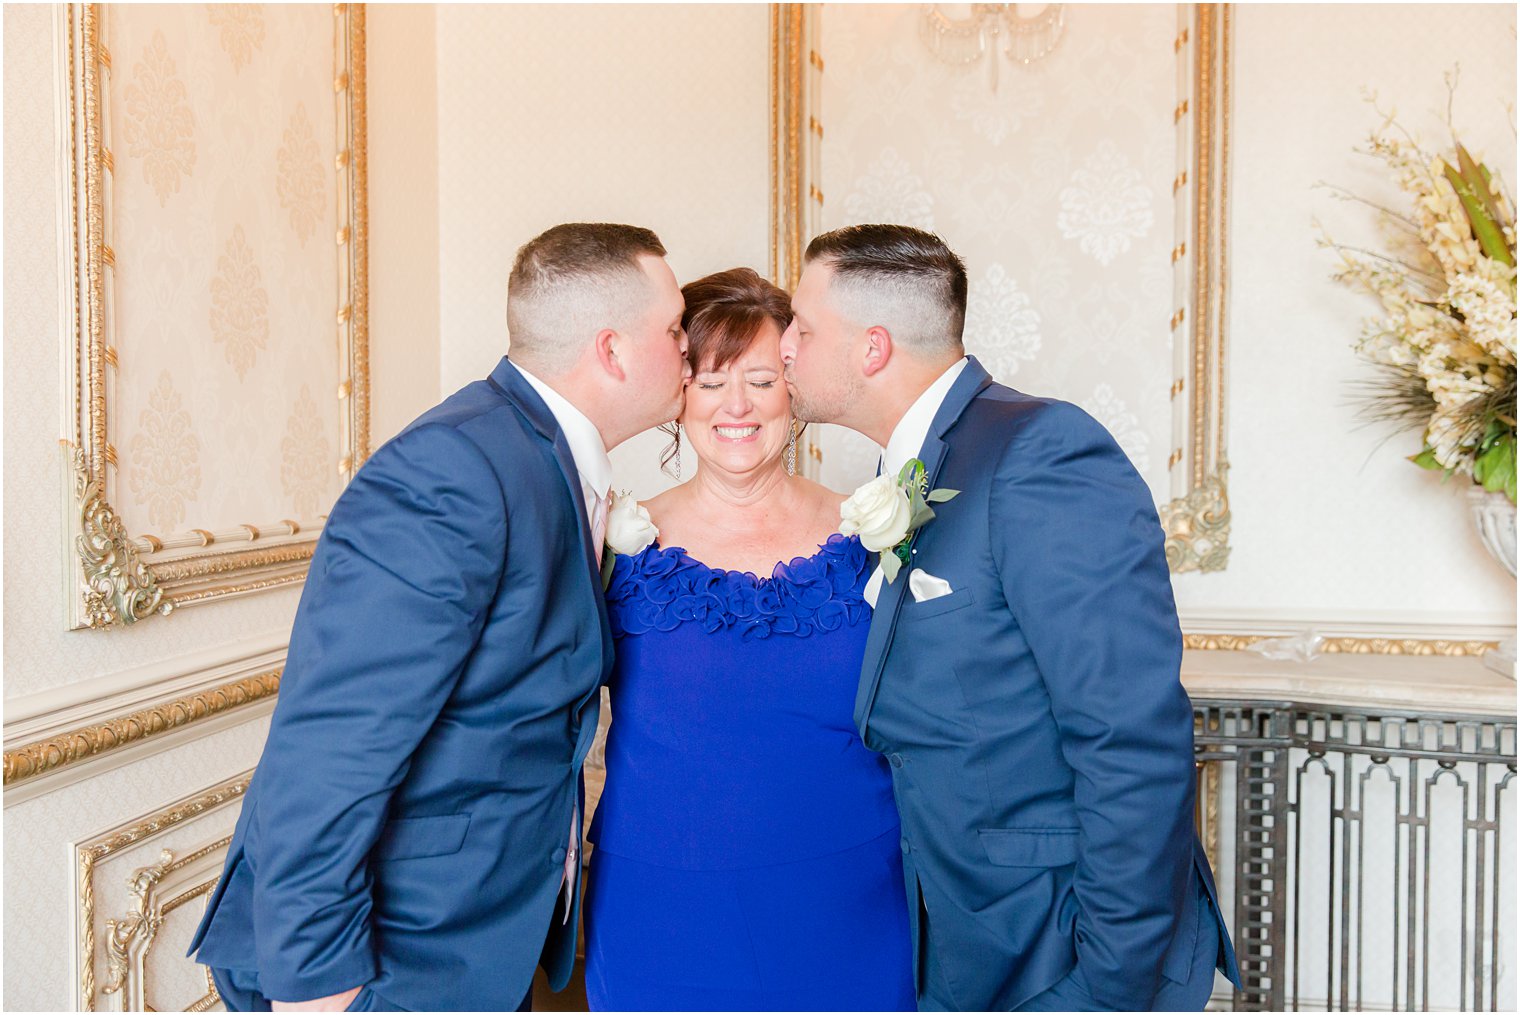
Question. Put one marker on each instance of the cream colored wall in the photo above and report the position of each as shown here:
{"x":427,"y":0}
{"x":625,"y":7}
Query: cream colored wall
{"x":1328,"y":524}
{"x":48,"y":668}
{"x":652,"y":115}
{"x":403,"y":215}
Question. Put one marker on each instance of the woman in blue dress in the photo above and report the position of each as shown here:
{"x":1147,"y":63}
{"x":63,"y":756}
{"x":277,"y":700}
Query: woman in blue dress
{"x":747,"y":847}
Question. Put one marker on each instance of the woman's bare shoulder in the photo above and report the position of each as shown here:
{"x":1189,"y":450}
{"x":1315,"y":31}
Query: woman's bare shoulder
{"x":665,"y":505}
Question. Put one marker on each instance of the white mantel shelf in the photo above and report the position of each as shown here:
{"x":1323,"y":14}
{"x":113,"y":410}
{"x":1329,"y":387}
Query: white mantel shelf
{"x":1424,"y":684}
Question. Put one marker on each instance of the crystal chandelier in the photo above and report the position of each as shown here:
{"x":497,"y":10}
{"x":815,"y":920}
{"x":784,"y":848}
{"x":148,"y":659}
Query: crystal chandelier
{"x":963,"y":41}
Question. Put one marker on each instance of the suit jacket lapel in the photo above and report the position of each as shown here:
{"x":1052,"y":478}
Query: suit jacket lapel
{"x":889,"y":604}
{"x":532,"y":408}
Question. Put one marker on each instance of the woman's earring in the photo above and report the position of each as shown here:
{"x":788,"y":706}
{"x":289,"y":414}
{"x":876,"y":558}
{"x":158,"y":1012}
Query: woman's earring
{"x":671,"y":463}
{"x":791,"y":452}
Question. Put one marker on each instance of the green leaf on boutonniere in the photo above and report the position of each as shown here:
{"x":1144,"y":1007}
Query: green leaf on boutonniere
{"x":609,"y":562}
{"x":940,"y":496}
{"x":890,"y":565}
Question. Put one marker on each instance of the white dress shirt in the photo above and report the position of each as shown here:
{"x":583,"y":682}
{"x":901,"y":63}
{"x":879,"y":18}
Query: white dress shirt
{"x":594,"y":470}
{"x":586,"y":447}
{"x":907,"y":441}
{"x":908,"y":436}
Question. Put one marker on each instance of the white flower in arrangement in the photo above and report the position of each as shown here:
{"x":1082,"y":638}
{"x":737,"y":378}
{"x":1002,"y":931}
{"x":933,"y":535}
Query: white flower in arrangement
{"x":878,"y":513}
{"x":1446,"y":341}
{"x":629,"y":528}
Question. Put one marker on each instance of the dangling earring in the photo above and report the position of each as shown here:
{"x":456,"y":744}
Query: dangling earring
{"x":791,"y":452}
{"x":670,"y":463}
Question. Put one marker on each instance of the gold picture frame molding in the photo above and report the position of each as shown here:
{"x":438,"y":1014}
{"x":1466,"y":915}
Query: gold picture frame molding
{"x":124,"y":577}
{"x":1197,"y":517}
{"x":91,"y":852}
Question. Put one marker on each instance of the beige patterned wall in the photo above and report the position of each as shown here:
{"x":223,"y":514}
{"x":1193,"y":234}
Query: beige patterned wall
{"x":223,"y":210}
{"x":1055,"y":188}
{"x":655,"y":115}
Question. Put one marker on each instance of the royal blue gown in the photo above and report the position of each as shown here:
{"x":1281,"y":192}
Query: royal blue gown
{"x":747,"y":847}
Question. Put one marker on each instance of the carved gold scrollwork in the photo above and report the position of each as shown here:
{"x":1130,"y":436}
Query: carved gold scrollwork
{"x":119,"y":588}
{"x":1198,"y":527}
{"x":139,"y":928}
{"x":176,"y":880}
{"x":31,"y":760}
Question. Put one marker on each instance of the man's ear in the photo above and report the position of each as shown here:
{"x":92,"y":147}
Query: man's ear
{"x":878,"y":350}
{"x":605,"y":348}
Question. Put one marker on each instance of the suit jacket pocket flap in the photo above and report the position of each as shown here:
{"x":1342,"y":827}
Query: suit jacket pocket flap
{"x":1030,"y":847}
{"x":405,"y":838}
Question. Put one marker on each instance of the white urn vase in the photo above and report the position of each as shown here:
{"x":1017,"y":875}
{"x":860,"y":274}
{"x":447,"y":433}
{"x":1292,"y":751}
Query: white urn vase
{"x":1494,"y":516}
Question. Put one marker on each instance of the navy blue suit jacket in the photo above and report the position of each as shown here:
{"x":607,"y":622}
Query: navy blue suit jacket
{"x":1040,"y":740}
{"x":406,"y":827}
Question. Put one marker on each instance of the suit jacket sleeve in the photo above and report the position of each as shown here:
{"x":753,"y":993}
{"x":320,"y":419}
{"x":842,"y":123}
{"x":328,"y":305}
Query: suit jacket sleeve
{"x":1081,"y":554}
{"x":397,"y":593}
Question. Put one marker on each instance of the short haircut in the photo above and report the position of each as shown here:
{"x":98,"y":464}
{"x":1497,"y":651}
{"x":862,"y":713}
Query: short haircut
{"x":724,"y":313}
{"x":569,"y":283}
{"x":901,"y":278}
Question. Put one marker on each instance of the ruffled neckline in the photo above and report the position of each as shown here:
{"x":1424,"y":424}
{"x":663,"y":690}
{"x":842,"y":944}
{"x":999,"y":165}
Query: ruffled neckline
{"x":661,"y":588}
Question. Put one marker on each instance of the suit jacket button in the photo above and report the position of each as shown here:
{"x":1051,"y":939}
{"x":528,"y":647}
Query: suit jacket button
{"x":895,"y":759}
{"x":905,"y":847}
{"x":559,"y":855}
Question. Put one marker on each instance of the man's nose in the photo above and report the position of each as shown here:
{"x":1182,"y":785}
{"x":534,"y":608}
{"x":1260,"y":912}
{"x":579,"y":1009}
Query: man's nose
{"x":788,"y":345}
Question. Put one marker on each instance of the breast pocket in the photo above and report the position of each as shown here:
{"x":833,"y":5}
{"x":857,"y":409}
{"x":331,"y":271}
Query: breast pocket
{"x":936,"y":607}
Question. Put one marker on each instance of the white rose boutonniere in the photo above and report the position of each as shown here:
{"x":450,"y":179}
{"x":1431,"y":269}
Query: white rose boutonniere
{"x":629,"y":530}
{"x":885,"y":513}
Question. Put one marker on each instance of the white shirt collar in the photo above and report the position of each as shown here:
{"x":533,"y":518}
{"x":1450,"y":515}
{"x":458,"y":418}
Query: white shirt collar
{"x":585,"y":441}
{"x":908,"y":436}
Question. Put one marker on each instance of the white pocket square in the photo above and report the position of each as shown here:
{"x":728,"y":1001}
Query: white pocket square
{"x":925,"y":586}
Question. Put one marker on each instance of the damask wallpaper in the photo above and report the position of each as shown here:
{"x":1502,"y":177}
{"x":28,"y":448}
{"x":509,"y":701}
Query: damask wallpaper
{"x":1054,"y":186}
{"x":222,"y":213}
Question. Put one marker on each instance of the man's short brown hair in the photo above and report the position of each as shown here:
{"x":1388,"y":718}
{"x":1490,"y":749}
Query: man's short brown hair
{"x":569,"y":280}
{"x":914,"y":265}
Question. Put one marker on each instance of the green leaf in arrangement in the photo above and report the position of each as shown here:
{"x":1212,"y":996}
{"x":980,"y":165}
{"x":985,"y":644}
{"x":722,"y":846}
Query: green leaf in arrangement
{"x":1490,"y":236}
{"x":1427,"y":460}
{"x":1494,"y":467}
{"x":890,"y":565}
{"x":940,"y":496}
{"x":1476,"y":175}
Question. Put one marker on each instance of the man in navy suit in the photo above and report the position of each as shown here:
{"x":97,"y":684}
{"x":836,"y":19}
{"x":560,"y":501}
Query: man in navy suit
{"x":411,"y":837}
{"x":1022,"y":670}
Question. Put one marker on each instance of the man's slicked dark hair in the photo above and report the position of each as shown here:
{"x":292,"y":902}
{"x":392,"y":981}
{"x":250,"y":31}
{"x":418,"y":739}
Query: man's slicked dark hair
{"x":898,"y":254}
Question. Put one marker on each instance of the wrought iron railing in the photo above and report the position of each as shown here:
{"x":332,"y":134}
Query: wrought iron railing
{"x":1368,"y":854}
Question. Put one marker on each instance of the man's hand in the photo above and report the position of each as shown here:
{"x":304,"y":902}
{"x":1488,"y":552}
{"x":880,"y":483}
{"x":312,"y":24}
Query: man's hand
{"x":333,"y":1002}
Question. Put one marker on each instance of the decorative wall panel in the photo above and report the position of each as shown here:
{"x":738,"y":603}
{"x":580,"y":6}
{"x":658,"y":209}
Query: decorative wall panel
{"x":219,"y":338}
{"x":140,"y":889}
{"x":1083,"y":180}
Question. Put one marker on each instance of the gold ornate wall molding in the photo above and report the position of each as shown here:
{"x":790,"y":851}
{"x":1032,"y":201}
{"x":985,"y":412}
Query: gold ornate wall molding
{"x":130,"y":936}
{"x":157,"y":890}
{"x":125,"y":576}
{"x":52,"y":754}
{"x":1197,"y":519}
{"x":1348,"y":646}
